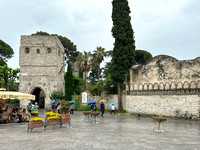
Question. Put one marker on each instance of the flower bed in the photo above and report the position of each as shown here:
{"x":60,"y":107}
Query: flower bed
{"x":53,"y":120}
{"x":34,"y":113}
{"x":159,"y":118}
{"x":52,"y":114}
{"x":35,"y":123}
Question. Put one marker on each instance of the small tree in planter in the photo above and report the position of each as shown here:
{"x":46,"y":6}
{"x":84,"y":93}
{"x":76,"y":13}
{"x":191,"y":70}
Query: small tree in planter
{"x":65,"y":108}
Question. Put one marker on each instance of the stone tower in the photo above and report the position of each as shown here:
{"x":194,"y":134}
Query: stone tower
{"x":42,"y":68}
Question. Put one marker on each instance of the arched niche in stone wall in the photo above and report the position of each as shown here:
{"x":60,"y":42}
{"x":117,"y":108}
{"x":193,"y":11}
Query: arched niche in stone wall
{"x":186,"y":85}
{"x":161,"y":86}
{"x":198,"y":84}
{"x":167,"y":86}
{"x":193,"y":85}
{"x":135,"y":87}
{"x":140,"y":87}
{"x":179,"y":85}
{"x":150,"y":86}
{"x":127,"y":87}
{"x":155,"y":87}
{"x":173,"y":86}
{"x":145,"y":87}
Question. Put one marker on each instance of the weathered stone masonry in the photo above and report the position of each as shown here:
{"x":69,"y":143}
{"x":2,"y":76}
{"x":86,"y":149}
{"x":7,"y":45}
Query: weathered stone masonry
{"x":163,"y":86}
{"x":41,"y":66}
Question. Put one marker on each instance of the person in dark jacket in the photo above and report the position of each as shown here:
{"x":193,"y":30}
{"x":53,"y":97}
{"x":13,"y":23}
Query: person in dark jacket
{"x":102,"y":106}
{"x":54,"y":107}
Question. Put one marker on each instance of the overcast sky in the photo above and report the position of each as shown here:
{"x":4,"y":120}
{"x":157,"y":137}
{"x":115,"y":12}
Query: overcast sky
{"x":169,"y":27}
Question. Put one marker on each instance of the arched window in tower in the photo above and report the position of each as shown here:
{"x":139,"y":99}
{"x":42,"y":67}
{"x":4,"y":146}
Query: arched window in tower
{"x":48,"y":50}
{"x":38,"y":50}
{"x":27,"y":50}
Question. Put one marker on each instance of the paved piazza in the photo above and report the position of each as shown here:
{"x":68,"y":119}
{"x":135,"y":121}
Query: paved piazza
{"x":122,"y":133}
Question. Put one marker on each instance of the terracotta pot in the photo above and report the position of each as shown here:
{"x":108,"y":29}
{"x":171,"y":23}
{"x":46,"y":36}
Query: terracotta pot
{"x":86,"y":112}
{"x":53,"y":122}
{"x":65,"y":118}
{"x":36,"y":124}
{"x":95,"y":113}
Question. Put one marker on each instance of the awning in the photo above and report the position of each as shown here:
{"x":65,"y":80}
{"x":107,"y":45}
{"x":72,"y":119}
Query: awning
{"x":5,"y":95}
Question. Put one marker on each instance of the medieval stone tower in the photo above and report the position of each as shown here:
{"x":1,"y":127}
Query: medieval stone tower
{"x":42,"y":68}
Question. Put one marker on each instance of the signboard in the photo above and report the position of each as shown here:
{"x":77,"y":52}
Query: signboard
{"x":84,"y":97}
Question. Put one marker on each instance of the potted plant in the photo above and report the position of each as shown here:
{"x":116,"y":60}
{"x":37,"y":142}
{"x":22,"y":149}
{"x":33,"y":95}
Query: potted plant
{"x":65,"y":108}
{"x":159,"y":118}
{"x":54,"y":120}
{"x":35,"y":122}
{"x":50,"y":114}
{"x":34,"y":113}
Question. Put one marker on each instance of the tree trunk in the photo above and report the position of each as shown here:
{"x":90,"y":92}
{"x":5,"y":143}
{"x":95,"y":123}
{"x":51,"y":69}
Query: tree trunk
{"x":120,"y":105}
{"x":98,"y":76}
{"x":85,"y":81}
{"x":6,"y":85}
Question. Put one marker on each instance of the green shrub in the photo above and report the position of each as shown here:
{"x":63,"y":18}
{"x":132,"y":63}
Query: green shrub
{"x":84,"y":108}
{"x":13,"y":101}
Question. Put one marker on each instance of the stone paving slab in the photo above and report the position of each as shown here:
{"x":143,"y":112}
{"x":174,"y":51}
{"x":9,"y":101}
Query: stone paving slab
{"x":109,"y":133}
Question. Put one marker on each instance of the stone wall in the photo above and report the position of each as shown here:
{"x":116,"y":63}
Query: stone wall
{"x":41,"y":66}
{"x":164,"y":85}
{"x":162,"y":104}
{"x":165,"y":73}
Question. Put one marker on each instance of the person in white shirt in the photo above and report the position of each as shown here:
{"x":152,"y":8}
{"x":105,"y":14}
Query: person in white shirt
{"x":112,"y":109}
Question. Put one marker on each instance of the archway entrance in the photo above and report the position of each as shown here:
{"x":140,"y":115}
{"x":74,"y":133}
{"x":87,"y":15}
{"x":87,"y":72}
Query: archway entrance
{"x":39,"y":97}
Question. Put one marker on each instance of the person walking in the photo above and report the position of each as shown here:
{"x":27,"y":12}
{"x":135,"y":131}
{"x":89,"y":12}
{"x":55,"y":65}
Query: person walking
{"x":113,"y":110}
{"x":93,"y":108}
{"x":36,"y":107}
{"x":53,"y":107}
{"x":102,"y":106}
{"x":72,"y":109}
{"x":58,"y":108}
{"x":29,"y":107}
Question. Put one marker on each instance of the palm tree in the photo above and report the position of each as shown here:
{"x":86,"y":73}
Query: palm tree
{"x":98,"y":57}
{"x":84,"y":63}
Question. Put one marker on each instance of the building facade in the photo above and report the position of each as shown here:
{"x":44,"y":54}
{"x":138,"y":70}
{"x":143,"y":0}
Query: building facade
{"x":42,"y":66}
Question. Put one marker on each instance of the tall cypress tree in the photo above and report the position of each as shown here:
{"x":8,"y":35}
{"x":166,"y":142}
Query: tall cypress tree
{"x":124,"y":45}
{"x":69,"y":83}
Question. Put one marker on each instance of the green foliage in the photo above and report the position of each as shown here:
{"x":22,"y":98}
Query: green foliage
{"x":110,"y":85}
{"x":123,"y":111}
{"x":65,"y":106}
{"x":84,"y":63}
{"x":57,"y":95}
{"x":124,"y":45}
{"x":69,"y":47}
{"x":77,"y":100}
{"x":142,"y":56}
{"x":13,"y":101}
{"x":69,"y":83}
{"x":93,"y":77}
{"x":83,"y":108}
{"x":8,"y":75}
{"x":6,"y":52}
{"x":78,"y":83}
{"x":93,"y":89}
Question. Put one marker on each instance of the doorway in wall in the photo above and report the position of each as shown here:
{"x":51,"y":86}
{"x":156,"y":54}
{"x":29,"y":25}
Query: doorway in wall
{"x":39,"y":96}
